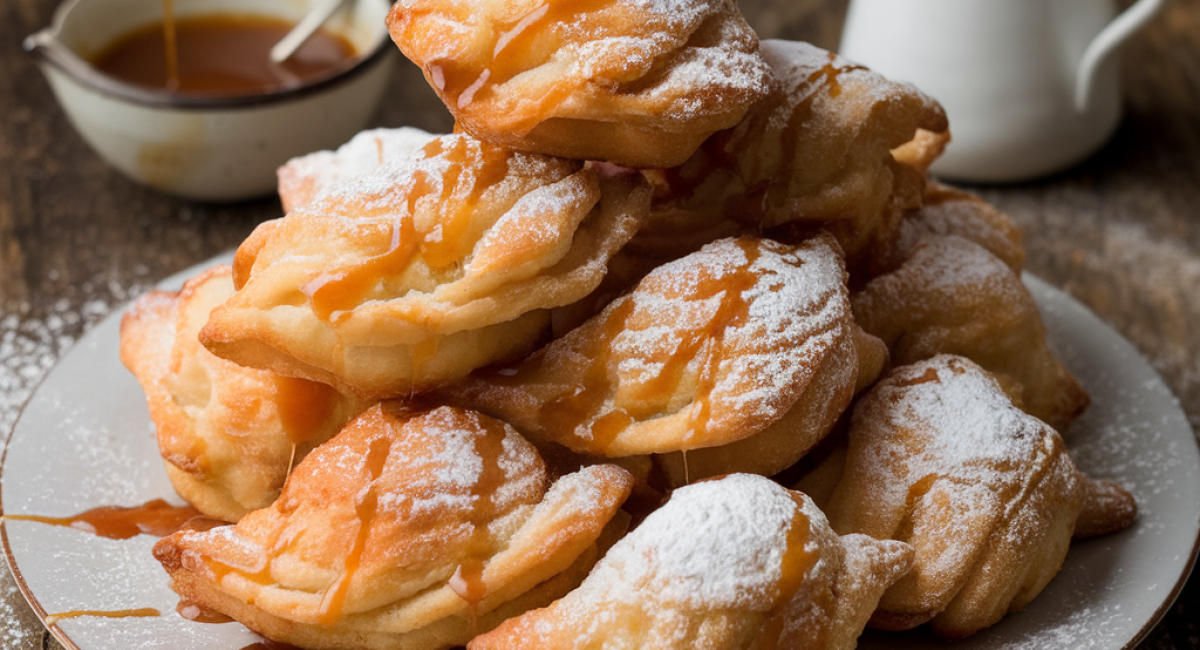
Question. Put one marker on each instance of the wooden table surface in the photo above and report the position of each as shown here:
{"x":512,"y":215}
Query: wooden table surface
{"x":1121,"y":232}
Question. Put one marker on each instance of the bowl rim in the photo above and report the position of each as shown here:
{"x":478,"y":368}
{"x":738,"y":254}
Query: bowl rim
{"x":45,"y":46}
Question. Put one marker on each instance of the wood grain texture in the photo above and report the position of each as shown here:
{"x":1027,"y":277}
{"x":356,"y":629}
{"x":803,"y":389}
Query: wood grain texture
{"x":1120,"y":232}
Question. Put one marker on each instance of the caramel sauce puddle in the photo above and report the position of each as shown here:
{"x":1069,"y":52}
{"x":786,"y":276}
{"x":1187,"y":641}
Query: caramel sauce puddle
{"x":155,"y":517}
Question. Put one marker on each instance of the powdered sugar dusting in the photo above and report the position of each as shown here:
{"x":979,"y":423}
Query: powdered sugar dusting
{"x":385,"y":186}
{"x":307,"y":177}
{"x":951,"y":420}
{"x":705,"y":550}
{"x":724,"y":63}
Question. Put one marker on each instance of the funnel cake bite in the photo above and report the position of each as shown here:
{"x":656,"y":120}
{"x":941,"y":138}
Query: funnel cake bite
{"x":953,"y":296}
{"x":640,"y":83}
{"x":304,"y":178}
{"x":433,"y":265}
{"x":742,"y":354}
{"x":727,"y":564}
{"x":410,"y":530}
{"x":228,"y":435}
{"x":939,"y":458}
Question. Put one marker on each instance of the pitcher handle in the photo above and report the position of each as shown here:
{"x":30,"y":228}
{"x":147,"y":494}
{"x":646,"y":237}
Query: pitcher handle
{"x":1106,"y":42}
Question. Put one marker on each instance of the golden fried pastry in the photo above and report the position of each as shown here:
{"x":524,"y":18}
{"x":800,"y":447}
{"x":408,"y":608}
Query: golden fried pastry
{"x":949,"y":211}
{"x":741,"y":355}
{"x":940,"y":458}
{"x":228,"y":435}
{"x":304,"y":178}
{"x":434,"y":265}
{"x":632,"y":82}
{"x":953,"y":296}
{"x":408,"y":530}
{"x":816,"y":151}
{"x":727,"y":564}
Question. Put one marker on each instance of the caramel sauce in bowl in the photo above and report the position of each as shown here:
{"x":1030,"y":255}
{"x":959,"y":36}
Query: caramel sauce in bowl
{"x":221,"y":133}
{"x":221,"y":55}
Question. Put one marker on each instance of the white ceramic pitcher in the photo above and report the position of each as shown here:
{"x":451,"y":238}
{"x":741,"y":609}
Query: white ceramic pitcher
{"x":1030,"y":86}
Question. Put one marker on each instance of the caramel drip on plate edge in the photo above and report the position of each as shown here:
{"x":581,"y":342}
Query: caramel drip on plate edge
{"x":198,"y":613}
{"x":470,"y":173}
{"x":145,"y":612}
{"x":155,"y":517}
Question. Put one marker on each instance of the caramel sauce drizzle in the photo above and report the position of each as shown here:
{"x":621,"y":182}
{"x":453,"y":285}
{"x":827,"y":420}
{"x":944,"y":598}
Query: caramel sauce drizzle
{"x":929,"y":376}
{"x":732,"y":313}
{"x":156,"y":517}
{"x":279,"y":544}
{"x":574,"y":413}
{"x":795,"y":564}
{"x":772,"y":192}
{"x":468,"y":579}
{"x":366,"y":505}
{"x":470,"y":174}
{"x":144,"y":612}
{"x":516,"y":46}
{"x":365,"y":508}
{"x":334,"y":291}
{"x":570,"y":411}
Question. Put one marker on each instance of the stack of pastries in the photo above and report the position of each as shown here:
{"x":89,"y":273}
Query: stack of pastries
{"x":672,"y":344}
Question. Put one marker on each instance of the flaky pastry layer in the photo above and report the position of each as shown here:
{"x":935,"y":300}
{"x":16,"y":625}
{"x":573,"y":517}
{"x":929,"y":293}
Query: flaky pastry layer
{"x":431,"y":266}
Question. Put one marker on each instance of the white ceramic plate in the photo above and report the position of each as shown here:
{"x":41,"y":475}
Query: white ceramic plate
{"x":85,"y":440}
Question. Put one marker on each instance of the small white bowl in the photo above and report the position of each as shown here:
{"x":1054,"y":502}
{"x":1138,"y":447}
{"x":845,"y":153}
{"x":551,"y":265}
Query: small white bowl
{"x":209,"y":148}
